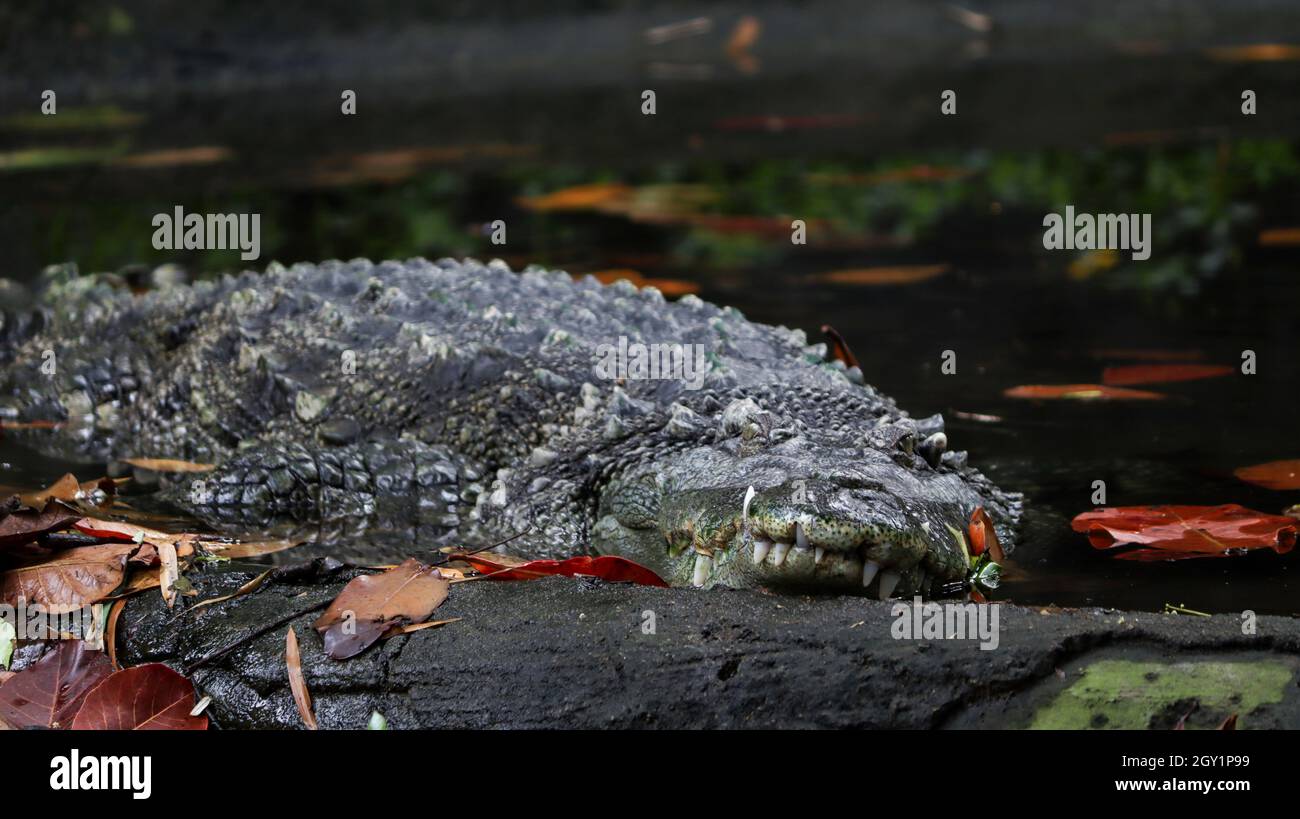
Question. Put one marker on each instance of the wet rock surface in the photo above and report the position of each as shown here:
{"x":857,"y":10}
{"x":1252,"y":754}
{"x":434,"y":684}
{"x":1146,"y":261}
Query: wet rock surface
{"x":566,"y":653}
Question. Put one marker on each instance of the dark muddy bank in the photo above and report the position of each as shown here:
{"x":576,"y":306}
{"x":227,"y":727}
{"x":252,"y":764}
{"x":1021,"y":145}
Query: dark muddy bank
{"x":563,"y":653}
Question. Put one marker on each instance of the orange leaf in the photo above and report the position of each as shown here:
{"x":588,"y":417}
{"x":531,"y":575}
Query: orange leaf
{"x":1161,"y":373}
{"x":1080,"y":392}
{"x":607,"y":567}
{"x":1272,"y":475}
{"x":1176,"y":532}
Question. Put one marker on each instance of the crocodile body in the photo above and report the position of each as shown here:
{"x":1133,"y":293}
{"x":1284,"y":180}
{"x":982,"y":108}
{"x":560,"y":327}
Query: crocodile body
{"x":473,"y":403}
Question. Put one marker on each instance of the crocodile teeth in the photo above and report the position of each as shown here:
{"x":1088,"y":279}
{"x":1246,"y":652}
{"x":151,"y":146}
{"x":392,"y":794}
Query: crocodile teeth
{"x":779,"y":551}
{"x":703,"y":565}
{"x":744,"y":508}
{"x":888,"y":582}
{"x":800,"y":536}
{"x":869,"y":570}
{"x":761,"y":548}
{"x":818,"y":554}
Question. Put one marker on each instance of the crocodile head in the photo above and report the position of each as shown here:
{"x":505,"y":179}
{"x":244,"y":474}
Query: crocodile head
{"x":766,"y":500}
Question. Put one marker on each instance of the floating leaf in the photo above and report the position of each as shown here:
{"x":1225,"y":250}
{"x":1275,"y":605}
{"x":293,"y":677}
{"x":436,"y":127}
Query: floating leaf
{"x":297,"y":683}
{"x":878,"y":276}
{"x":49,"y":693}
{"x":578,"y":197}
{"x":148,"y":697}
{"x":369,"y":606}
{"x":1177,"y":532}
{"x":1276,"y":237}
{"x":606,"y":567}
{"x":1161,"y":373}
{"x":1272,"y":475}
{"x":1080,"y":392}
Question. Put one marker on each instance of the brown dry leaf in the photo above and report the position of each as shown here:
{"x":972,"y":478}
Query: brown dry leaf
{"x":169,"y":572}
{"x":250,"y":586}
{"x":297,"y":684}
{"x":169,"y":465}
{"x":24,"y":526}
{"x":411,"y":627}
{"x":66,"y":488}
{"x":68,"y":579}
{"x":110,"y":632}
{"x":241,"y":550}
{"x":370,"y":606}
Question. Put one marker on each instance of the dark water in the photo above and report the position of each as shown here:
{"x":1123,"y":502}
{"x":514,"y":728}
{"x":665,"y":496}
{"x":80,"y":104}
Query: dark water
{"x":847,"y":141}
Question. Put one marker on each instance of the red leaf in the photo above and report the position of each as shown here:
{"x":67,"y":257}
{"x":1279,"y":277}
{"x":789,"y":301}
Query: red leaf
{"x":1272,"y":475}
{"x":606,"y":567}
{"x":1161,"y":373}
{"x":148,"y":697}
{"x":1176,"y":532}
{"x":48,"y":694}
{"x":1080,"y":392}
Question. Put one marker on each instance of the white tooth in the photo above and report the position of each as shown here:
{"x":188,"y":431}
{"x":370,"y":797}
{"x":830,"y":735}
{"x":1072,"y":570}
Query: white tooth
{"x":888,"y":582}
{"x":818,"y":554}
{"x":779,"y":551}
{"x":869,"y":570}
{"x":744,"y":509}
{"x":761,"y":548}
{"x":800,"y":536}
{"x":703,"y":565}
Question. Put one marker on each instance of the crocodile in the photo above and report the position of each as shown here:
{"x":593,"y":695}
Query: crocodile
{"x":462,"y":402}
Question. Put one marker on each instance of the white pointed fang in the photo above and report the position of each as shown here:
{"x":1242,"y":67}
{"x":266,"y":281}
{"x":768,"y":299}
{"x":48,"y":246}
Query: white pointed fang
{"x":779,"y":551}
{"x":818,"y":554}
{"x":869,"y":570}
{"x":800,"y":536}
{"x":888,"y":582}
{"x":703,"y":565}
{"x":744,"y":508}
{"x":761,"y":548}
